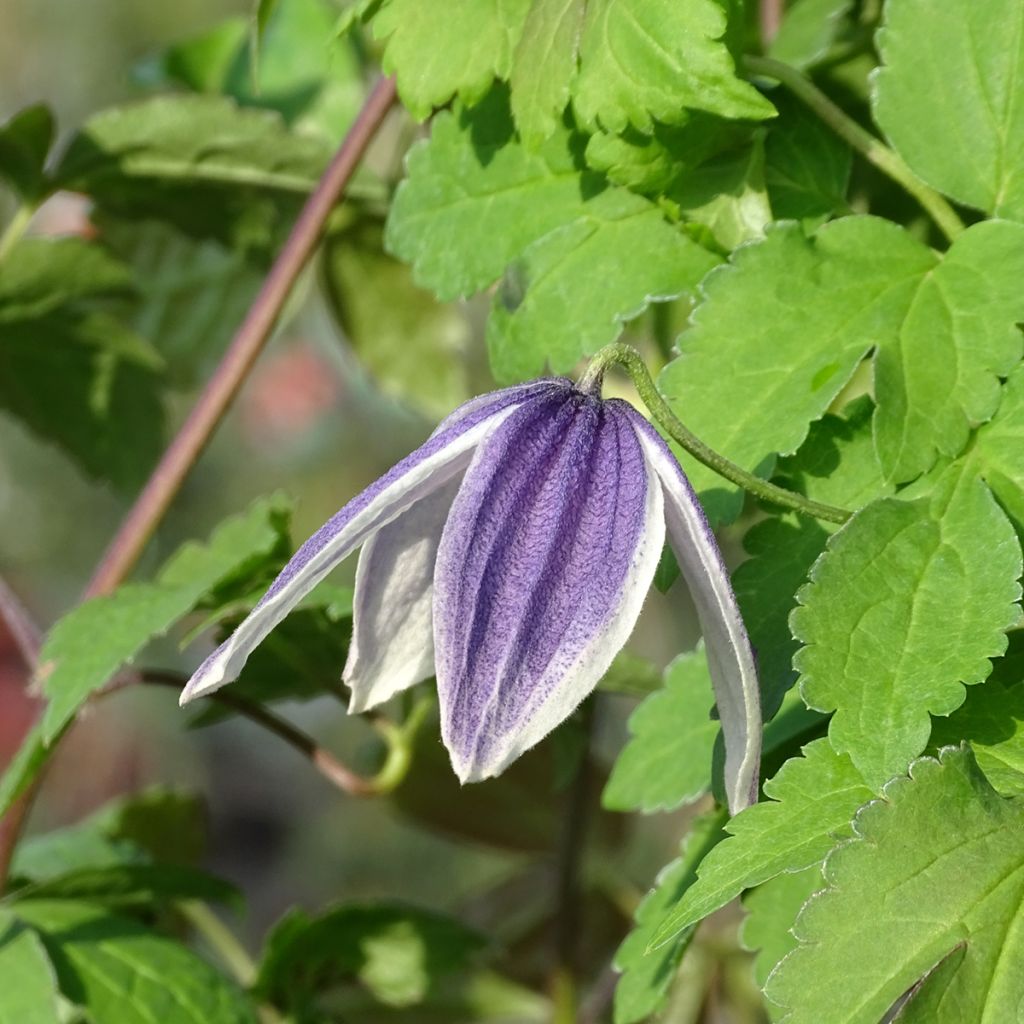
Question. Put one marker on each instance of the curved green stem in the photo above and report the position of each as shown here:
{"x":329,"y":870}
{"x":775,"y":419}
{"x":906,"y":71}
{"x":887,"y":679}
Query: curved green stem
{"x":872,"y":149}
{"x":15,"y":228}
{"x":629,"y":359}
{"x":221,"y":940}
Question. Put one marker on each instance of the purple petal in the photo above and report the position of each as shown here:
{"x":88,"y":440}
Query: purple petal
{"x":446,"y":453}
{"x":393,"y":619}
{"x":544,"y":564}
{"x":730,"y":656}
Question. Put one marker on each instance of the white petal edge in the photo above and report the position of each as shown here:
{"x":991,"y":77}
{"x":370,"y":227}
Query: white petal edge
{"x":393,"y":615}
{"x":730,"y":656}
{"x":581,"y":675}
{"x":420,"y":478}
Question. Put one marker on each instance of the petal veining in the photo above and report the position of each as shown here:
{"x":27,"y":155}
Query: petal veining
{"x":393,"y":619}
{"x":446,"y":453}
{"x":548,"y":553}
{"x":730,"y":656}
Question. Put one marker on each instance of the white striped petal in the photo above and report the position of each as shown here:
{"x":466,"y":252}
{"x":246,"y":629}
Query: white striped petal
{"x":393,"y":618}
{"x":730,"y":657}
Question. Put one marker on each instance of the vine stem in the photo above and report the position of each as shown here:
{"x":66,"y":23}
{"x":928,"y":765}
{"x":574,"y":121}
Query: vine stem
{"x":165,"y":482}
{"x":629,"y":359}
{"x":16,"y":228}
{"x":871,"y":148}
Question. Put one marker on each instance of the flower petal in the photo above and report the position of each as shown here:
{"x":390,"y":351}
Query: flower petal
{"x":446,"y":453}
{"x":730,"y":656}
{"x":393,"y":619}
{"x":547,"y":556}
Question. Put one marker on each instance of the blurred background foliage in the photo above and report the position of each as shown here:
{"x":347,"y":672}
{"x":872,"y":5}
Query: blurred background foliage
{"x":363,"y":366}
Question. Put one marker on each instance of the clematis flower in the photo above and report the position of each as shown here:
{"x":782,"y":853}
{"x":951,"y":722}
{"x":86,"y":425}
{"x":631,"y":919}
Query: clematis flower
{"x":510,"y":556}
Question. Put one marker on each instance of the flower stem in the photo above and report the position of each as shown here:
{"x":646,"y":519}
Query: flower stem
{"x":16,"y":228}
{"x":872,"y":149}
{"x":629,"y":359}
{"x":221,"y":940}
{"x":166,"y":480}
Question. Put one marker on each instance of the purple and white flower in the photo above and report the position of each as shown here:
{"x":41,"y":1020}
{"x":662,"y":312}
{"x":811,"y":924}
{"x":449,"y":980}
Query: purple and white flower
{"x":510,"y":556}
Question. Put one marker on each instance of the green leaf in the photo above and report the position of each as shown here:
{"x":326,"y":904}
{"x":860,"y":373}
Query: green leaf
{"x":23,"y":767}
{"x":167,"y":824}
{"x":84,"y":650}
{"x":397,"y":952}
{"x":193,"y":139}
{"x":123,"y":973}
{"x":807,"y":166}
{"x":416,"y":348}
{"x":837,"y":463}
{"x":543,"y":67}
{"x":84,"y":381}
{"x":649,"y":60}
{"x":25,"y":141}
{"x":772,"y":909}
{"x":571,"y":291}
{"x":936,"y":869}
{"x":909,"y":602}
{"x":29,"y":993}
{"x":667,"y":761}
{"x":998,"y":450}
{"x":991,"y":719}
{"x":750,"y":383}
{"x":435,"y":58}
{"x":472,"y":182}
{"x":191,"y":294}
{"x":42,"y":275}
{"x":63,"y":851}
{"x":808,"y":30}
{"x":915,"y":107}
{"x":132,"y":884}
{"x":647,"y":976}
{"x":939,"y":376}
{"x":782,"y":551}
{"x":727,"y":196}
{"x":813,"y":799}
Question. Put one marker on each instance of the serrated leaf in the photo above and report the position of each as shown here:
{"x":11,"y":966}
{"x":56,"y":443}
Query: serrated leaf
{"x":416,"y":348}
{"x":207,"y":139}
{"x":667,"y":760}
{"x":397,"y":952}
{"x":939,"y":376}
{"x":23,"y":767}
{"x":782,"y":551}
{"x":25,"y":141}
{"x":749,"y":384}
{"x":772,"y":909}
{"x":813,"y":799}
{"x":543,"y":67}
{"x":808,"y":30}
{"x":123,"y":973}
{"x":63,"y":851}
{"x":807,"y":166}
{"x":936,"y":866}
{"x":921,"y":54}
{"x":909,"y":602}
{"x":167,"y":824}
{"x":571,"y":291}
{"x":472,"y":182}
{"x":649,"y":60}
{"x":435,"y":58}
{"x":991,"y":719}
{"x":647,"y":976}
{"x":84,"y":650}
{"x":29,"y":994}
{"x":124,"y":885}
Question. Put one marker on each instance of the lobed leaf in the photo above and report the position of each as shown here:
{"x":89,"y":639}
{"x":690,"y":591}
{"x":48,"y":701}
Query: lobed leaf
{"x":813,"y":799}
{"x":936,"y":871}
{"x":909,"y":603}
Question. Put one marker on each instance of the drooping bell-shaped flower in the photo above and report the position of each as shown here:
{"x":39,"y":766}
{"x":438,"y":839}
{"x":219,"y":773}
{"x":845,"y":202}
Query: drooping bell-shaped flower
{"x":510,"y":555}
